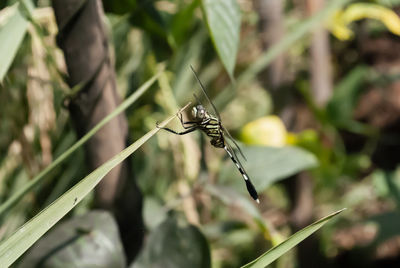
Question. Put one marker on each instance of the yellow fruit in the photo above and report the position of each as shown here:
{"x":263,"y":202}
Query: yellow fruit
{"x":267,"y":130}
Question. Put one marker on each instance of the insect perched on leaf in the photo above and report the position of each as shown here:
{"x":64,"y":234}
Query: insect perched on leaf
{"x":211,"y":125}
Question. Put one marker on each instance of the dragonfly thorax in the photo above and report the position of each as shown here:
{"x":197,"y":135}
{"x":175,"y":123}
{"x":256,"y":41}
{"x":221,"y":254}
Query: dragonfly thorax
{"x":199,"y":113}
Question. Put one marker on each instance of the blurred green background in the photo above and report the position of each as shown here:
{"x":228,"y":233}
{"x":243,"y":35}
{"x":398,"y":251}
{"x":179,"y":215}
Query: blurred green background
{"x":309,"y":88}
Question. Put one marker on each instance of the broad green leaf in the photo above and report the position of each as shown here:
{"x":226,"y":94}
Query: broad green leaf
{"x":88,"y":240}
{"x":13,"y":26}
{"x":39,"y":177}
{"x":175,"y":244}
{"x":266,"y":165}
{"x":277,"y":251}
{"x":12,"y":248}
{"x":223,"y":21}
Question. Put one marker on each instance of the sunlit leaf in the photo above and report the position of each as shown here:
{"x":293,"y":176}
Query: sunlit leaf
{"x":277,"y":251}
{"x":223,"y":20}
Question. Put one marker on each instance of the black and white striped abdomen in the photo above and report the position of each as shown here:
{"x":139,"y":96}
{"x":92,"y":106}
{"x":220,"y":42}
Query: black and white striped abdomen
{"x":250,"y":187}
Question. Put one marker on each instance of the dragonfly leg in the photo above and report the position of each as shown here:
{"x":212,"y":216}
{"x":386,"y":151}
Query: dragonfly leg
{"x":189,"y":123}
{"x":188,"y":130}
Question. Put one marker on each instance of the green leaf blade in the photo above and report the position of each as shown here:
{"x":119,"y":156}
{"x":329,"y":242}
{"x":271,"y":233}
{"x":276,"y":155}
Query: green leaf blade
{"x":9,"y":203}
{"x":12,"y":32}
{"x":223,"y":21}
{"x":277,"y":251}
{"x":12,"y":248}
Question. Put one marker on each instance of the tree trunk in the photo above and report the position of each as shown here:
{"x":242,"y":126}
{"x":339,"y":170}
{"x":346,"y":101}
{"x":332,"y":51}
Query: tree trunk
{"x":83,"y":39}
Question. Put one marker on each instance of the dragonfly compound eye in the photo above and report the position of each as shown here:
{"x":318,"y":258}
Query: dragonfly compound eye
{"x":201,"y":112}
{"x":198,"y":112}
{"x":194,"y":112}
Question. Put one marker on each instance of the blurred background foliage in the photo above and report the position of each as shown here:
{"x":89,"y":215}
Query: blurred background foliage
{"x":346,"y":146}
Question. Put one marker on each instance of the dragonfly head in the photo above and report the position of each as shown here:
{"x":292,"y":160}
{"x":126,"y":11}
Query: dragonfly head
{"x":198,"y":112}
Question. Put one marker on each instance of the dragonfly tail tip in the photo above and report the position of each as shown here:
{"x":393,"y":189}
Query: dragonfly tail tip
{"x":258,"y":201}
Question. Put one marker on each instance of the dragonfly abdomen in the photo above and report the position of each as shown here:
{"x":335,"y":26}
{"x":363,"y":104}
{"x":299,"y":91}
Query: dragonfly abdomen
{"x":250,"y":187}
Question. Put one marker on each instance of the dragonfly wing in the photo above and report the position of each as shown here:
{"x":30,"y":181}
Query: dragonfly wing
{"x":216,"y":112}
{"x":197,"y":98}
{"x":205,"y":93}
{"x":234,"y":142}
{"x":233,"y":153}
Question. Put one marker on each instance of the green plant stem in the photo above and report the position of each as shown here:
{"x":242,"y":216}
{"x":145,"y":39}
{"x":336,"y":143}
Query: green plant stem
{"x":277,"y":251}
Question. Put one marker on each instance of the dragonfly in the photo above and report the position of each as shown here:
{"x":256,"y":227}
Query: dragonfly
{"x":211,"y":125}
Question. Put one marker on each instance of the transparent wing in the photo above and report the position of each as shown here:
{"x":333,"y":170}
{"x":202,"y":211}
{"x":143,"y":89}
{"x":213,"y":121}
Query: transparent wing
{"x":197,"y":98}
{"x":216,"y":113}
{"x":204,"y":91}
{"x":234,"y":142}
{"x":234,"y":154}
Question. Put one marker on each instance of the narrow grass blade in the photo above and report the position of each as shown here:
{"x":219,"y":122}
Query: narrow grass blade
{"x":5,"y":207}
{"x":277,"y":251}
{"x":12,"y":248}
